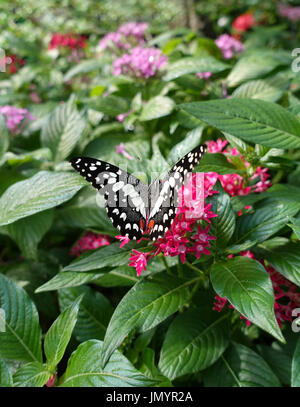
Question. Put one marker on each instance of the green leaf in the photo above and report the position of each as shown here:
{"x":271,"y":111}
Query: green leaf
{"x":59,"y":334}
{"x":279,"y":361}
{"x":247,"y":286}
{"x":147,"y":304}
{"x":252,"y":120}
{"x":28,"y":232}
{"x":94,"y":312}
{"x":159,"y":106}
{"x":264,"y":222}
{"x":296,"y":366}
{"x":191,"y":140}
{"x":286,"y":260}
{"x":254,"y":65}
{"x":22,"y":337}
{"x":106,"y":256}
{"x":85,"y":66}
{"x":32,"y":374}
{"x":111,"y":105}
{"x":216,"y":162}
{"x":86,"y":370}
{"x":269,"y":89}
{"x":196,"y":64}
{"x":295,"y":225}
{"x":68,"y":279}
{"x":62,"y":130}
{"x":240,"y":366}
{"x":5,"y":375}
{"x":4,"y":136}
{"x":38,"y":193}
{"x":83,"y":212}
{"x":194,"y":341}
{"x":222,"y":227}
{"x":283,"y":193}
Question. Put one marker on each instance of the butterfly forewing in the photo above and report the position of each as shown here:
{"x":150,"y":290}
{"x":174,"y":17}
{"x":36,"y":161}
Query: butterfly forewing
{"x":163,"y":194}
{"x":126,"y":196}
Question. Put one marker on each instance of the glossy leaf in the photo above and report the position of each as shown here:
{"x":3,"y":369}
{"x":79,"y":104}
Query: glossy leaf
{"x":5,"y":375}
{"x":296,"y":366}
{"x":86,"y":370}
{"x":59,"y":334}
{"x":38,"y":193}
{"x":247,"y":286}
{"x":147,"y":304}
{"x":22,"y":337}
{"x":32,"y":374}
{"x":240,"y":366}
{"x":252,"y":120}
{"x":194,"y":341}
{"x":159,"y":106}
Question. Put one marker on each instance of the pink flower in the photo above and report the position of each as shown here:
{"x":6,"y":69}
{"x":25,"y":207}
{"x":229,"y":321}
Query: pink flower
{"x":124,"y":240}
{"x":120,"y":149}
{"x":89,"y":241}
{"x":203,"y":75}
{"x":133,"y":29}
{"x":51,"y":381}
{"x":291,"y":13}
{"x":216,"y":146}
{"x":69,"y":40}
{"x":140,"y":62}
{"x":14,"y":116}
{"x":113,"y":39}
{"x":229,"y":45}
{"x":138,"y":260}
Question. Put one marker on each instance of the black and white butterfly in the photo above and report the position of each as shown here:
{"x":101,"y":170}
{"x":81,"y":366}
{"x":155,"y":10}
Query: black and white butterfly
{"x":134,"y":207}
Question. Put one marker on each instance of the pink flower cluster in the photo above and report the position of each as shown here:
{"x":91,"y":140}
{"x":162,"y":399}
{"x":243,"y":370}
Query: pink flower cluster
{"x":69,"y":40}
{"x":283,"y":290}
{"x":140,"y":62}
{"x":125,"y":37}
{"x":235,"y":184}
{"x":14,"y":116}
{"x":89,"y":241}
{"x":185,"y":236}
{"x":292,"y":13}
{"x":229,"y":45}
{"x":203,"y":75}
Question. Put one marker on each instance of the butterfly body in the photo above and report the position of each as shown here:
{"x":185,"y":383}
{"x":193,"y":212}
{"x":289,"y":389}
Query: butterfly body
{"x":133,"y":207}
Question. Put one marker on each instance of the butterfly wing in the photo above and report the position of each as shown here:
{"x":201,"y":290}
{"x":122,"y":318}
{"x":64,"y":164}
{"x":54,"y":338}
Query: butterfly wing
{"x":163,"y":194}
{"x":126,"y":196}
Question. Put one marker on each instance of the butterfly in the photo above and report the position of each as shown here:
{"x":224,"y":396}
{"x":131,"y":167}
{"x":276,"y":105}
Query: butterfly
{"x":133,"y":207}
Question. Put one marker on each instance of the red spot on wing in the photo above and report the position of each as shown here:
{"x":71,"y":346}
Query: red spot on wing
{"x":142,"y":225}
{"x":150,"y":226}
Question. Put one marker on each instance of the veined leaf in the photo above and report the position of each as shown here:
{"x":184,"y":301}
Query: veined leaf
{"x":94,"y":312}
{"x":22,"y":337}
{"x":191,"y":140}
{"x":264,"y":222}
{"x":252,"y":120}
{"x":4,"y":136}
{"x":5,"y":375}
{"x":62,"y":130}
{"x":157,"y":107}
{"x":216,"y":162}
{"x":205,"y":63}
{"x":194,"y":341}
{"x":86,"y":370}
{"x":32,"y":374}
{"x":59,"y":334}
{"x":247,"y":286}
{"x":27,"y":232}
{"x":147,"y":304}
{"x":296,"y":366}
{"x":295,"y":225}
{"x":240,"y":366}
{"x":286,"y":260}
{"x":38,"y":193}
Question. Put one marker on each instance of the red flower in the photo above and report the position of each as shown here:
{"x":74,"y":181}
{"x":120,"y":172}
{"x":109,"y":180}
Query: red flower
{"x":89,"y":241}
{"x":243,"y":22}
{"x":69,"y":40}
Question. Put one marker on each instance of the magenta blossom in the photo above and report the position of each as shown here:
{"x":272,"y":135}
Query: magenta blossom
{"x":14,"y":116}
{"x":229,"y":46}
{"x":120,"y":149}
{"x":203,"y":75}
{"x":291,"y":13}
{"x":133,"y":29}
{"x":140,"y":62}
{"x":127,"y":36}
{"x":138,"y":260}
{"x":124,"y":240}
{"x":89,"y":241}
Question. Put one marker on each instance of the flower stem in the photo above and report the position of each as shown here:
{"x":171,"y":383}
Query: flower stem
{"x":194,"y":268}
{"x":166,"y":265}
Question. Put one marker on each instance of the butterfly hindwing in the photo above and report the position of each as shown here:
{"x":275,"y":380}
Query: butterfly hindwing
{"x":125,"y":195}
{"x":164,"y":204}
